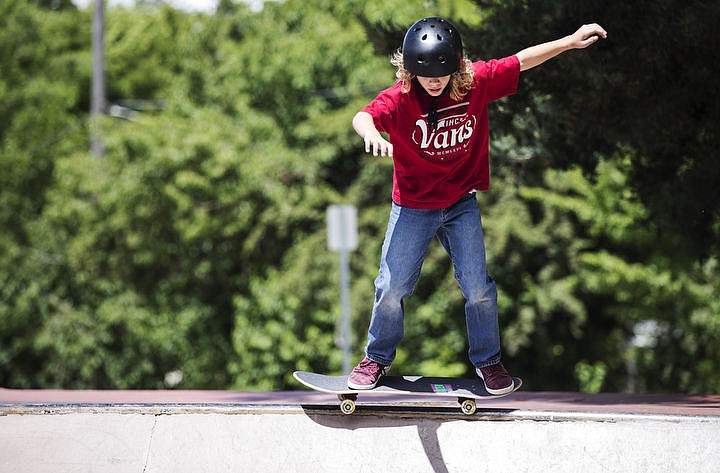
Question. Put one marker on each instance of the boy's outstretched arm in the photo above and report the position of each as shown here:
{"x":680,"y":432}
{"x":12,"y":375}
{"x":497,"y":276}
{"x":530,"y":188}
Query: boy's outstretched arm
{"x":582,"y":38}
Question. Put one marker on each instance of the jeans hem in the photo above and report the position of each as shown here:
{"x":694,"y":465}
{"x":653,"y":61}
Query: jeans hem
{"x":378,"y":360}
{"x":492,"y":361}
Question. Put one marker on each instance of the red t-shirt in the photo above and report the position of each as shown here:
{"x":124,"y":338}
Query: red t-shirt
{"x":435,"y":168}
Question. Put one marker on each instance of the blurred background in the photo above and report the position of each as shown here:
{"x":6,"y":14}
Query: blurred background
{"x":188,"y":248}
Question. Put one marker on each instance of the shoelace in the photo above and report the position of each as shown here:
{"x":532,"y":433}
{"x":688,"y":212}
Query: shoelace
{"x":494,"y":370}
{"x":366,"y":365}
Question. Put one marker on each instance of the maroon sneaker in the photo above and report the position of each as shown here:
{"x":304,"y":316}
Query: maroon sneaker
{"x":366,"y":374}
{"x":497,"y":380}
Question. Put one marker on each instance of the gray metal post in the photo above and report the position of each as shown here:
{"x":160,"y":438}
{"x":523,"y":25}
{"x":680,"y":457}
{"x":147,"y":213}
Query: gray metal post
{"x":97,"y":95}
{"x":342,"y":237}
{"x":346,"y":331}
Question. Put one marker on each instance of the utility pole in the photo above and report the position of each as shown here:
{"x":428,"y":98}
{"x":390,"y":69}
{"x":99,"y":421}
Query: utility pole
{"x":342,"y":238}
{"x":97,"y":95}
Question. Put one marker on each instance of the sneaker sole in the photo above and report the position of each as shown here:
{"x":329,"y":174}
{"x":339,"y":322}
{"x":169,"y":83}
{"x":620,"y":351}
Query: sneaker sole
{"x":500,"y":392}
{"x":361,"y":387}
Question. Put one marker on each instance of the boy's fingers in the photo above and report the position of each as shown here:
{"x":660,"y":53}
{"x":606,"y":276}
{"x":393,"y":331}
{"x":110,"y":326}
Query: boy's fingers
{"x":595,"y":29}
{"x":370,"y":146}
{"x":589,"y":34}
{"x":378,"y":147}
{"x":387,"y":149}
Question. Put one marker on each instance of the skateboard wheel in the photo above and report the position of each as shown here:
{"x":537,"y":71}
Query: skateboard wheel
{"x":347,"y":406}
{"x":468,"y":406}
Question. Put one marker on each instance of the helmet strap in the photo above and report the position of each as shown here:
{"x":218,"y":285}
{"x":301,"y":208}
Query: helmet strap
{"x":432,"y":115}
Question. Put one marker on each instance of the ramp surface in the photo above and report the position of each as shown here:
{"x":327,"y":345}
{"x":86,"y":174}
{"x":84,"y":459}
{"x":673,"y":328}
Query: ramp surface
{"x":299,"y":431}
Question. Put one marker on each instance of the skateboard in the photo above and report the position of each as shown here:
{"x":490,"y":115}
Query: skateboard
{"x":466,"y":391}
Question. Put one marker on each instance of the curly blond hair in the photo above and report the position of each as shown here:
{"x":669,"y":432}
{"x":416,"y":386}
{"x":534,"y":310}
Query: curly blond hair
{"x":460,"y":82}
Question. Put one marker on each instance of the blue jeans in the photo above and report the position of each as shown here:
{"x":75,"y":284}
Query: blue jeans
{"x":409,"y":232}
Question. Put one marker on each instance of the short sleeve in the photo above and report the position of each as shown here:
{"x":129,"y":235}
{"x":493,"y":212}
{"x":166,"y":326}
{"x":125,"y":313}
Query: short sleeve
{"x":501,"y":76}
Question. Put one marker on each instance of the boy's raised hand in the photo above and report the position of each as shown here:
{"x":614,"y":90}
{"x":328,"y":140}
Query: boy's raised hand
{"x":582,"y":38}
{"x":587,"y":35}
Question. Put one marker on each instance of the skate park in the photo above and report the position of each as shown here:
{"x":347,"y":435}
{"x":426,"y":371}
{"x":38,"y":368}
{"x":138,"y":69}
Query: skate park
{"x":304,"y":431}
{"x":166,"y":261}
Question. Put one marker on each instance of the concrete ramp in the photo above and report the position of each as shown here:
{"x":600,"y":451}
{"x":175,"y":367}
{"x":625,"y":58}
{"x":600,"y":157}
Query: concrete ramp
{"x":305,"y":432}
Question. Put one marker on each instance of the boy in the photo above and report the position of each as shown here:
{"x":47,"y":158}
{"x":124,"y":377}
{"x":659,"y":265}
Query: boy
{"x":436,"y":117}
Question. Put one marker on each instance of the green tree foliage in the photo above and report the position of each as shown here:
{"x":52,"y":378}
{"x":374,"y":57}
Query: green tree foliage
{"x":37,"y":47}
{"x":592,"y":264}
{"x":44,"y":54}
{"x":193,"y":254}
{"x":645,"y":87}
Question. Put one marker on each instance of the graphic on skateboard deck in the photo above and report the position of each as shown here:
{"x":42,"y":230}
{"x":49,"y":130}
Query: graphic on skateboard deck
{"x":466,"y":391}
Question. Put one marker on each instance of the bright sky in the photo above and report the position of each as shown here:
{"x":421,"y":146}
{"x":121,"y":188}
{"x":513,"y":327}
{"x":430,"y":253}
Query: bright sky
{"x":189,"y":5}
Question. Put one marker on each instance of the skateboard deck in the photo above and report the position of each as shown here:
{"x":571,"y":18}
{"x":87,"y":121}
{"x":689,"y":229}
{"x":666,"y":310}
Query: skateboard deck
{"x":466,"y":391}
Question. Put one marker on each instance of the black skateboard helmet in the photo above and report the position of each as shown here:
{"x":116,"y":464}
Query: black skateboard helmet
{"x":432,"y":48}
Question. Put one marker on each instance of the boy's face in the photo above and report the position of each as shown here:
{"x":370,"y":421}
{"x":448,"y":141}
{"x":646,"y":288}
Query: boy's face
{"x":434,"y":85}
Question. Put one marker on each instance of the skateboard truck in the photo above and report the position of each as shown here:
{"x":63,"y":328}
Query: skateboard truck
{"x":347,"y":403}
{"x":467,"y":405}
